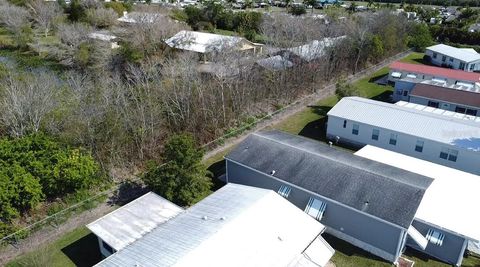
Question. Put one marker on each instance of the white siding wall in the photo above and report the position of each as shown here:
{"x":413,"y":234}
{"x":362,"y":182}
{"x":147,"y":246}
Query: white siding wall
{"x":455,"y":64}
{"x":466,"y":160}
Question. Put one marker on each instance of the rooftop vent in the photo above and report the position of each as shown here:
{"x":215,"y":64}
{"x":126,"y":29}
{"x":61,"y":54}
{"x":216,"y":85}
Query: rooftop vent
{"x":272,"y":172}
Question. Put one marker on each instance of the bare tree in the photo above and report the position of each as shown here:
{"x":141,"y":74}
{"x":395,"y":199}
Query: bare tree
{"x":101,"y":17}
{"x":13,"y":17}
{"x":45,"y":13}
{"x":26,"y":102}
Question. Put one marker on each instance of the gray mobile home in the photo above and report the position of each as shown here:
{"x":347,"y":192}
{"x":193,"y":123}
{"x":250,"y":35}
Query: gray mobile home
{"x":368,"y":204}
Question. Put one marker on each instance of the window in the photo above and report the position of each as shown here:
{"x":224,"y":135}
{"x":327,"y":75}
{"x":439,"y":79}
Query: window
{"x":344,"y":123}
{"x":107,"y":247}
{"x":316,"y":208}
{"x":433,"y":104}
{"x":419,"y":146}
{"x":444,"y":58}
{"x":460,"y":109}
{"x":449,"y":154}
{"x":451,"y":59}
{"x":472,"y":112}
{"x":434,"y":55}
{"x":375,"y":134}
{"x":393,"y":139}
{"x":284,"y":191}
{"x":472,"y":67}
{"x":435,"y":237}
{"x":405,"y":93}
{"x":355,"y":129}
{"x":462,"y":66}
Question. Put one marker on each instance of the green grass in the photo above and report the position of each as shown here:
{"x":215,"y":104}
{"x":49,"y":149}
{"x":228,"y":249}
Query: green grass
{"x":413,"y":58}
{"x":76,"y":248}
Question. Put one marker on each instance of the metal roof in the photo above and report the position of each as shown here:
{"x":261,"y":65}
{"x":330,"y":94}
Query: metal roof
{"x":203,"y":42}
{"x":275,"y":63}
{"x":133,"y":220}
{"x":410,"y":121}
{"x":452,"y":95}
{"x":436,"y":71}
{"x":235,"y":226}
{"x":448,"y":201}
{"x":315,"y":48}
{"x":385,"y":192}
{"x":461,"y":54}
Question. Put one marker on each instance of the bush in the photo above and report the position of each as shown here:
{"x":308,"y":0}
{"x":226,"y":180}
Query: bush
{"x":183,"y":178}
{"x":118,"y":7}
{"x":344,"y":89}
{"x":101,"y":17}
{"x":297,"y":10}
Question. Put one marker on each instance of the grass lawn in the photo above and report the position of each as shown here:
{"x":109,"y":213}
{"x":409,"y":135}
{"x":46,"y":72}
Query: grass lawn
{"x":414,"y":58}
{"x":76,"y":248}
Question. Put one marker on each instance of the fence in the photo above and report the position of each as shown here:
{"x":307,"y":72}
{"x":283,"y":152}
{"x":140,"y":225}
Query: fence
{"x":54,"y":219}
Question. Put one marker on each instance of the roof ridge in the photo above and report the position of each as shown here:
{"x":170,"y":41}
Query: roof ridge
{"x":341,"y":162}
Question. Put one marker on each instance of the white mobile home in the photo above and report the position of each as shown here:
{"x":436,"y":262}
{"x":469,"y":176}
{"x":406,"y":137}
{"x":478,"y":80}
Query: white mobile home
{"x":465,"y":59}
{"x":452,"y":140}
{"x":235,"y":226}
{"x":446,"y":207}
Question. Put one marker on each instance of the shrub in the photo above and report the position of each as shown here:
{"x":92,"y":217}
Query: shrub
{"x":297,"y":10}
{"x":118,"y":7}
{"x":101,"y":17}
{"x":344,"y":89}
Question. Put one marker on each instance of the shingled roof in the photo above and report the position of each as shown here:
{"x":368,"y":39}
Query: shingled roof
{"x":446,"y":94}
{"x":377,"y":189}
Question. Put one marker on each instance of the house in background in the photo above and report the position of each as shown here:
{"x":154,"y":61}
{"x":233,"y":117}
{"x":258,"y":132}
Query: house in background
{"x":235,"y":226}
{"x":405,"y":76}
{"x":442,"y":137}
{"x":444,"y":219}
{"x":131,"y":222}
{"x":105,"y":36}
{"x":365,"y":203}
{"x":447,"y":98}
{"x":208,"y":44}
{"x":466,"y":59}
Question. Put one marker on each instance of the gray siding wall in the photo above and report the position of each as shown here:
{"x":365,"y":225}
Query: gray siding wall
{"x":452,"y":62}
{"x":400,"y":88}
{"x":442,"y":104}
{"x":466,"y":160}
{"x":381,"y":238}
{"x":451,"y":250}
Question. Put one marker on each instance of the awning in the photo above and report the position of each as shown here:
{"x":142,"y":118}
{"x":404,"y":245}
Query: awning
{"x":284,"y":191}
{"x":318,"y":253}
{"x":411,"y":75}
{"x":396,"y":74}
{"x":315,"y":208}
{"x":438,"y":80}
{"x":435,"y":237}
{"x":417,"y":237}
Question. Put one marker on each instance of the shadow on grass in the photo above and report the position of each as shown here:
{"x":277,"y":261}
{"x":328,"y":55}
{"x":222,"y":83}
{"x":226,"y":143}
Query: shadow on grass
{"x":378,"y":77}
{"x":127,"y":192}
{"x":384,"y":97}
{"x":348,"y":249}
{"x":317,"y":129}
{"x":84,"y":252}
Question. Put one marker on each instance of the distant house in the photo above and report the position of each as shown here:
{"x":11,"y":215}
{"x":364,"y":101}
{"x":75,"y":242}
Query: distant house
{"x":444,"y":219}
{"x":405,"y":76}
{"x":367,"y":204}
{"x":235,"y":226}
{"x":474,"y":27}
{"x":455,"y":99}
{"x":131,"y":222}
{"x":208,"y":43}
{"x":465,"y":59}
{"x":140,"y":17}
{"x":105,"y":37}
{"x":445,"y":138}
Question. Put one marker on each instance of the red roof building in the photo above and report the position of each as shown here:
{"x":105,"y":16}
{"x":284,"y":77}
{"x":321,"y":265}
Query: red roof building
{"x":436,"y":71}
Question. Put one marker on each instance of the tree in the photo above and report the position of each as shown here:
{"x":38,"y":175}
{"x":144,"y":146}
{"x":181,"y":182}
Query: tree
{"x":101,"y":17}
{"x":344,"y":89}
{"x":16,"y":20}
{"x":182,"y":178}
{"x":420,"y":37}
{"x":76,"y":11}
{"x":44,"y":14}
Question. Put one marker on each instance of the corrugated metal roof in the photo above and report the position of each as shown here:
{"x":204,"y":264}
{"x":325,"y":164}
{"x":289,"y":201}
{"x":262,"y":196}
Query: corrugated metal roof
{"x":315,"y":48}
{"x":427,"y":125}
{"x":448,"y":201}
{"x":436,"y":71}
{"x":203,"y":42}
{"x":235,"y":226}
{"x":461,"y":54}
{"x":388,"y":193}
{"x":133,"y":220}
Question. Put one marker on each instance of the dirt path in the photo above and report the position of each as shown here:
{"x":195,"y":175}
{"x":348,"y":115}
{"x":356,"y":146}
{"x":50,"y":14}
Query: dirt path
{"x":305,"y":101}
